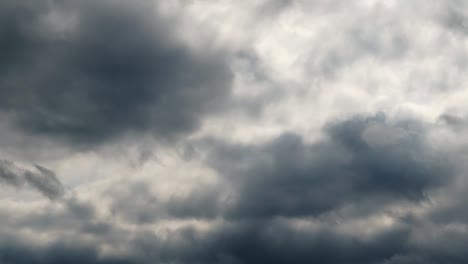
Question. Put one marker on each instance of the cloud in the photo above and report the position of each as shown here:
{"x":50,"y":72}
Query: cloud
{"x":251,"y":242}
{"x":455,"y":122}
{"x":272,"y":242}
{"x":288,"y":204}
{"x":21,"y":252}
{"x":42,"y":179}
{"x":137,"y":203}
{"x":289,"y":177}
{"x":89,"y":71}
{"x":234,"y":132}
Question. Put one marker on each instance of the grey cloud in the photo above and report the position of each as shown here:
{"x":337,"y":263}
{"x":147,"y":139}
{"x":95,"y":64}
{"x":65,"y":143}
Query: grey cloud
{"x":116,"y":67}
{"x":453,"y":15}
{"x":447,"y":246}
{"x":136,"y":203}
{"x":46,"y":182}
{"x":362,"y":160}
{"x":79,"y":208}
{"x":270,"y":242}
{"x":241,"y":243}
{"x":68,"y":215}
{"x":289,"y":177}
{"x":43,"y":180}
{"x":279,"y":244}
{"x":452,"y":209}
{"x":455,"y":122}
{"x":21,"y":252}
{"x":10,"y":173}
{"x":246,"y":243}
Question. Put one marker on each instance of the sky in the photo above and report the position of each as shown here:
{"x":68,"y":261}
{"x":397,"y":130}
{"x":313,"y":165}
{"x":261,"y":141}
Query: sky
{"x":233,"y":132}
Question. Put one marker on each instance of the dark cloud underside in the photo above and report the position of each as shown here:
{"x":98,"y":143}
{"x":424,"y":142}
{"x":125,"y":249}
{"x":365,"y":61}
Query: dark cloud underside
{"x":289,"y":177}
{"x":274,"y":184}
{"x":103,"y":68}
{"x":245,"y":243}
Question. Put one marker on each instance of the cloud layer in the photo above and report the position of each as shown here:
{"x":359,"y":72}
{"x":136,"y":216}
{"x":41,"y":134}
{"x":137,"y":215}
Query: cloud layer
{"x":233,"y":132}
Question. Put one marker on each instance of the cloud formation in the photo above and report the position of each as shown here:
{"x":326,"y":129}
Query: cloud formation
{"x":41,"y":179}
{"x":233,"y":132}
{"x":359,"y":161}
{"x":89,"y":71}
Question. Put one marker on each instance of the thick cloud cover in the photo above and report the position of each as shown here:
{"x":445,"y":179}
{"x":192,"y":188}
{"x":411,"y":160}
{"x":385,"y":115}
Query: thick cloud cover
{"x":87,"y":71}
{"x":363,"y":159}
{"x":233,"y":132}
{"x":289,"y":202}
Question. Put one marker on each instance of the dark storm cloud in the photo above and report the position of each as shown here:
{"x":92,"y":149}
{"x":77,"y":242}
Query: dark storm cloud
{"x":247,"y":242}
{"x":356,"y":164}
{"x":43,"y":180}
{"x":366,"y":163}
{"x":362,"y":160}
{"x":89,"y":70}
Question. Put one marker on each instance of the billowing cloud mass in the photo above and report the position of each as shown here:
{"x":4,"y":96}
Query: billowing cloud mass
{"x":362,"y":159}
{"x":87,"y":71}
{"x":233,"y":132}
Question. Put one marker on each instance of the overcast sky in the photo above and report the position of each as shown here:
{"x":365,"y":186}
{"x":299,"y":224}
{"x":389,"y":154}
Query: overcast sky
{"x":233,"y":132}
